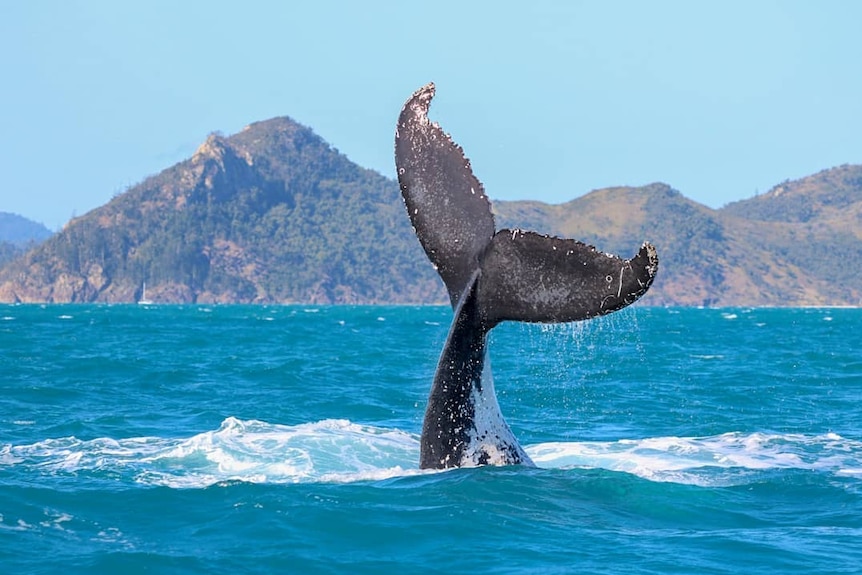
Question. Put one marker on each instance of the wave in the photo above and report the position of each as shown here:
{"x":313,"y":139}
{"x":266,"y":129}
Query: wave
{"x":724,"y":459}
{"x":339,"y":451}
{"x":251,"y":451}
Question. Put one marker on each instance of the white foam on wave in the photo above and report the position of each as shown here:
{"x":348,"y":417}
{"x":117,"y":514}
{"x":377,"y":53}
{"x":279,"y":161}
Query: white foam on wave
{"x":695,"y":460}
{"x":339,"y":451}
{"x":19,"y":525}
{"x":332,"y":450}
{"x":239,"y":450}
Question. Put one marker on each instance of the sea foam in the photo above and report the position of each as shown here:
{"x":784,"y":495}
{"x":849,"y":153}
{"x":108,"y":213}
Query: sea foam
{"x":340,"y":451}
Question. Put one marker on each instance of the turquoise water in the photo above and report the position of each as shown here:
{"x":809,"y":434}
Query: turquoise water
{"x":241,"y":439}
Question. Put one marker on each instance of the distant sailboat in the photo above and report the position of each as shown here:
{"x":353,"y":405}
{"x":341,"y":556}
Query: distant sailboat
{"x":144,"y":300}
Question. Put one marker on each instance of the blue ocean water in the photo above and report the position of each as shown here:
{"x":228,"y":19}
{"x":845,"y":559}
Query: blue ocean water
{"x":243,"y":439}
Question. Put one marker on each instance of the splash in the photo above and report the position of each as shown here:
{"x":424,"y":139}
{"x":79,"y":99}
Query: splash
{"x":340,"y":451}
{"x":332,"y":451}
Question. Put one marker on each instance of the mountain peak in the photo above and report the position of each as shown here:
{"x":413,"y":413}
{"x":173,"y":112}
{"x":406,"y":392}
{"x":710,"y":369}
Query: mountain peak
{"x":213,"y":148}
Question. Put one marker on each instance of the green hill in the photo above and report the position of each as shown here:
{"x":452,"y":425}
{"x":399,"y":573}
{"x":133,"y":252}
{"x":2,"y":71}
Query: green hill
{"x":811,"y":228}
{"x":831,"y":196}
{"x":274,"y":214}
{"x":723,"y":257}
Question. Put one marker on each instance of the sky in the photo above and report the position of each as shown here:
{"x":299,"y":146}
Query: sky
{"x":550,"y":100}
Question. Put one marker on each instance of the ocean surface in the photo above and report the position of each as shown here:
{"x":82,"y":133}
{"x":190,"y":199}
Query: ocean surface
{"x":285,"y":439}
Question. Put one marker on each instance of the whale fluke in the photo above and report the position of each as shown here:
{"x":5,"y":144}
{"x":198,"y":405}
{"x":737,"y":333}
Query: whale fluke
{"x":491,"y":276}
{"x":535,"y":278}
{"x":446,"y":202}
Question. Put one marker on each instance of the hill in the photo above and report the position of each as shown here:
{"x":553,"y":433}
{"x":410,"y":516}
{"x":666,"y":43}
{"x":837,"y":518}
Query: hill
{"x":728,"y":257}
{"x":17,"y":233}
{"x":18,"y":230}
{"x":275,"y":214}
{"x":813,"y":229}
{"x":830,"y":196}
{"x":272,"y":214}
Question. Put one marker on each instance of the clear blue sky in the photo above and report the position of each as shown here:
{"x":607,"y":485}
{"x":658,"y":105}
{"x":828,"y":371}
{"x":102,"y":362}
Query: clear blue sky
{"x":549,"y":99}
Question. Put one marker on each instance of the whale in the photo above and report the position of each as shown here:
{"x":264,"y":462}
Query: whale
{"x":491,"y":276}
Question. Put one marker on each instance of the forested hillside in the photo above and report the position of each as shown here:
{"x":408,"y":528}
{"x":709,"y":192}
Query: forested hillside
{"x":272,"y":214}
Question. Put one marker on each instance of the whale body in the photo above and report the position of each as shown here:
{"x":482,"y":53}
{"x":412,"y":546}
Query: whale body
{"x":491,"y":276}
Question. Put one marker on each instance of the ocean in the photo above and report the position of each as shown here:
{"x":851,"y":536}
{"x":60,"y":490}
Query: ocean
{"x":285,"y":439}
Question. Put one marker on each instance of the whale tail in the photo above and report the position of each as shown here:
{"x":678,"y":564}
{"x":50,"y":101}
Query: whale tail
{"x":521,"y":275}
{"x":491,"y":276}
